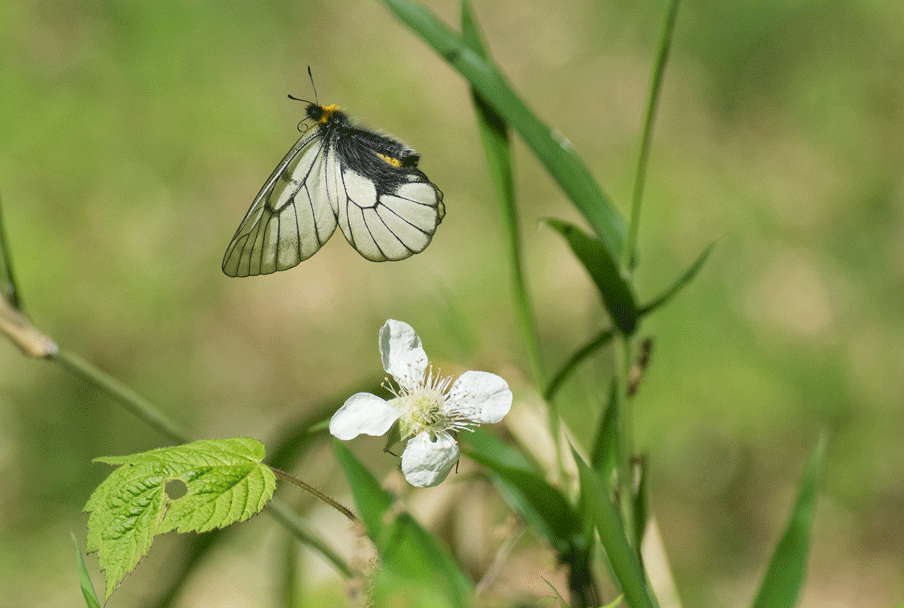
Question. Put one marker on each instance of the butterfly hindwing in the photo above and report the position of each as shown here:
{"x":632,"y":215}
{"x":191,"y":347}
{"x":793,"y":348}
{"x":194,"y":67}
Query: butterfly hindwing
{"x":388,"y":209}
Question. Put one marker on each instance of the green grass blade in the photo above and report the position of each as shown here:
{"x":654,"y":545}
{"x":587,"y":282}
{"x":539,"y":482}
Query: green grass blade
{"x":604,"y":457}
{"x":683,"y":280}
{"x":625,"y":562}
{"x":785,"y":576}
{"x":601,"y":339}
{"x":495,"y":135}
{"x":662,"y":57}
{"x":8,"y":288}
{"x":553,"y":150}
{"x":543,"y":506}
{"x":414,"y":564}
{"x":614,"y":289}
{"x":84,"y":580}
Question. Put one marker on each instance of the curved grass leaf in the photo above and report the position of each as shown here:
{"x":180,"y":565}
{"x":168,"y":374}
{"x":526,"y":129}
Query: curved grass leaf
{"x":416,"y":570}
{"x":604,"y":457}
{"x":614,"y":289}
{"x":625,"y":563}
{"x":223,"y":482}
{"x":494,"y":131}
{"x":553,"y":150}
{"x":9,"y":291}
{"x":84,"y":580}
{"x":543,"y":506}
{"x":786,"y":573}
{"x":683,"y":280}
{"x":484,"y":442}
{"x":603,"y":338}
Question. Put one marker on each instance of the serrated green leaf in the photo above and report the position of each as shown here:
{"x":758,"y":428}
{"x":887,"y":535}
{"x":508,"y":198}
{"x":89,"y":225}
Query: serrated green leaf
{"x":83,"y":578}
{"x":614,"y":289}
{"x":623,"y":558}
{"x":225,"y":482}
{"x":553,"y":150}
{"x":788,"y":568}
{"x":414,"y":565}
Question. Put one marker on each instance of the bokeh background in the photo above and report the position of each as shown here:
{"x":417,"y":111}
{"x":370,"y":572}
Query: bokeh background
{"x":134,"y":135}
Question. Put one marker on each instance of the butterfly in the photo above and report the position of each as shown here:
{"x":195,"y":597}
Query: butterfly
{"x":338,"y":173}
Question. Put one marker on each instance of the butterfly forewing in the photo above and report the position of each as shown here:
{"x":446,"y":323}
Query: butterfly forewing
{"x":288,"y":222}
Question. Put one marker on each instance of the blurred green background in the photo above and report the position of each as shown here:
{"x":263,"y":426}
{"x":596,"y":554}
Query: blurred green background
{"x":134,"y":135}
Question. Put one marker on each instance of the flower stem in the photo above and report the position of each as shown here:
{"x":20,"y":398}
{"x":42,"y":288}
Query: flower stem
{"x":625,"y":438}
{"x":312,"y":490}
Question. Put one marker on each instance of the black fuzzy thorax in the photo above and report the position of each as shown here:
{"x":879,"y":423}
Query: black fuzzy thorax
{"x":361,"y":149}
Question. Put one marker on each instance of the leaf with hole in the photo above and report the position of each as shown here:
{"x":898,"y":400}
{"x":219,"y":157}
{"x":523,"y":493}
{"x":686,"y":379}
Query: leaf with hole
{"x":218,"y":482}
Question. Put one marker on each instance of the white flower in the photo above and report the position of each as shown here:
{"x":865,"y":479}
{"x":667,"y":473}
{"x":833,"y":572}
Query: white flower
{"x":428,"y":410}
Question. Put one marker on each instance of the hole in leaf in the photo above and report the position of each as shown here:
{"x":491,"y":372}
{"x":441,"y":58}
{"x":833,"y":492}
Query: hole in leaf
{"x":175,"y":488}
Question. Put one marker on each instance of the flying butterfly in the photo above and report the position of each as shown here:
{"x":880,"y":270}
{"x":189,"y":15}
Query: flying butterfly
{"x":341,"y":174}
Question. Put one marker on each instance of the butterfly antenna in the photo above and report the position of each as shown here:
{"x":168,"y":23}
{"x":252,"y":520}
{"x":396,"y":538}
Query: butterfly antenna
{"x":311,"y":76}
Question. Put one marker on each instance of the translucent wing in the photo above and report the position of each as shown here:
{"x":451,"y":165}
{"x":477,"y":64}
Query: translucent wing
{"x":389,"y":220}
{"x":291,"y":217}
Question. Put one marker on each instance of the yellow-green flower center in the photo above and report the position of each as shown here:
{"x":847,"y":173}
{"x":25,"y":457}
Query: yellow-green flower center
{"x":422,"y":410}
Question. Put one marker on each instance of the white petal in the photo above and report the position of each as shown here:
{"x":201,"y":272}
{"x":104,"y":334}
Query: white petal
{"x":402,"y":354}
{"x":362,"y":413}
{"x":480,"y":397}
{"x":426,"y":463}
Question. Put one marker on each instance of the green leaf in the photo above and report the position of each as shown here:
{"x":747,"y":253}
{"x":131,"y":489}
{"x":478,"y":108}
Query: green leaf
{"x":373,"y":502}
{"x":14,"y":323}
{"x":484,"y":442}
{"x":615,"y":290}
{"x":614,"y":602}
{"x":601,"y":339}
{"x":223,"y":481}
{"x":553,"y":150}
{"x":683,"y":280}
{"x":543,"y":506}
{"x":8,"y":289}
{"x":640,"y":503}
{"x":494,"y":131}
{"x":83,"y":578}
{"x":786,"y":573}
{"x":605,"y":447}
{"x":414,"y":564}
{"x":623,"y":558}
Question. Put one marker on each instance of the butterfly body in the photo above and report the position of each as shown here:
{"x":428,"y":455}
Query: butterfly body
{"x":337,"y":174}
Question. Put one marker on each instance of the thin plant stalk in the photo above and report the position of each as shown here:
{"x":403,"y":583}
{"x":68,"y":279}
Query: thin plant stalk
{"x":131,"y":400}
{"x":665,"y":44}
{"x":623,"y":343}
{"x":315,"y":492}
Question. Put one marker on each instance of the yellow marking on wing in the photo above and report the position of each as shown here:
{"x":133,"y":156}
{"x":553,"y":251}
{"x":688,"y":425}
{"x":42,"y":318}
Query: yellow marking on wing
{"x":391,"y":161}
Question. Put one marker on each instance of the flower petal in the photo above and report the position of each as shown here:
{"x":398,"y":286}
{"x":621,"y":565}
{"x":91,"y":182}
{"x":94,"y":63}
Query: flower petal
{"x":426,"y":463}
{"x":362,"y":413}
{"x":402,"y":354}
{"x":480,"y":397}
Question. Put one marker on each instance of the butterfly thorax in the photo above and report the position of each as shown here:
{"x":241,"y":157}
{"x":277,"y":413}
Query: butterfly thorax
{"x":326,"y":115}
